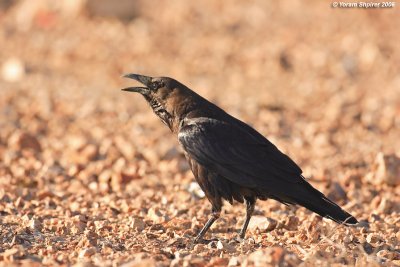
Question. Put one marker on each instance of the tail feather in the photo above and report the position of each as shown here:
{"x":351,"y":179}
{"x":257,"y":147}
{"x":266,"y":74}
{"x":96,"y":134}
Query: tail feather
{"x":328,"y":209}
{"x":312,"y":199}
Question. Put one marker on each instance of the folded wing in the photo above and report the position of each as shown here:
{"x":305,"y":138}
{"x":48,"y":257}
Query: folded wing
{"x":238,"y":153}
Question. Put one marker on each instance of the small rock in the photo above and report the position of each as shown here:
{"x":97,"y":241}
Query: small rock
{"x":75,"y":206}
{"x":100,"y":224}
{"x":291,"y":223}
{"x":19,"y":202}
{"x":22,"y":140}
{"x":177,"y":262}
{"x":50,"y":249}
{"x":260,"y":258}
{"x":105,"y":176}
{"x":156,"y":216}
{"x":347,"y":239}
{"x":367,"y":55}
{"x":194,"y":261}
{"x":44,"y":194}
{"x":217,"y":262}
{"x":179,"y":224}
{"x":35,"y":224}
{"x":78,"y":227}
{"x":267,"y":257}
{"x":384,"y":254}
{"x":93,"y":186}
{"x":123,"y":177}
{"x":195,"y":190}
{"x":11,"y":254}
{"x":396,"y":262}
{"x":128,"y":174}
{"x":89,"y":239}
{"x":13,"y":70}
{"x":262,"y":223}
{"x":181,"y":254}
{"x":372,"y":238}
{"x":86,"y":252}
{"x":221,"y":245}
{"x":234,"y":261}
{"x":199,"y":248}
{"x":79,"y":218}
{"x":385,"y":205}
{"x":140,"y":263}
{"x":89,"y":153}
{"x":386,"y":170}
{"x":76,"y":142}
{"x":244,"y":247}
{"x":137,"y":224}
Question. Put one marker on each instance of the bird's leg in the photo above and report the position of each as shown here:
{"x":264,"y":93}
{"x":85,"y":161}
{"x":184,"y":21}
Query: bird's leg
{"x":250,"y":204}
{"x":214,"y":216}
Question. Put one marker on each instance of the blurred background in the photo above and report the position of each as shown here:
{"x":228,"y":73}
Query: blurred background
{"x":322,"y":83}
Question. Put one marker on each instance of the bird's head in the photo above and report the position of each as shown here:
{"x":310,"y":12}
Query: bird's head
{"x":168,"y":98}
{"x":153,"y":86}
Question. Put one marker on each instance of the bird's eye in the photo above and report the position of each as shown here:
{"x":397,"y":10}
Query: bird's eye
{"x":157,"y":84}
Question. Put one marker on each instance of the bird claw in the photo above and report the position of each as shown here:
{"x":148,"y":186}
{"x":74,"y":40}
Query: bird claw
{"x":199,"y":240}
{"x":239,"y":239}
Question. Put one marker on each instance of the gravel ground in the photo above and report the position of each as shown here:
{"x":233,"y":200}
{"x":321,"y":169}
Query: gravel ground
{"x":90,"y":177}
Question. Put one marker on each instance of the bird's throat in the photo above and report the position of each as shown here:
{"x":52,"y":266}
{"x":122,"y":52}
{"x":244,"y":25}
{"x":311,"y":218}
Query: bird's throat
{"x":161,"y":111}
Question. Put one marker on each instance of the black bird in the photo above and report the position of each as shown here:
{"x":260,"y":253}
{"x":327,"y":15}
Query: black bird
{"x":229,"y":159}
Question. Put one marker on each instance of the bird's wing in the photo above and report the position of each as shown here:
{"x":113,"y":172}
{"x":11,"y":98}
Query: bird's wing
{"x":237,"y":152}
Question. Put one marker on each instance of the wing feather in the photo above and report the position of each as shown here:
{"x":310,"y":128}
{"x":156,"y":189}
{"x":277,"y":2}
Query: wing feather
{"x":237,"y":152}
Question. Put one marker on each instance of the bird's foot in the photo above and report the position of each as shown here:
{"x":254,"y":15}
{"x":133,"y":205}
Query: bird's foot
{"x":239,"y":239}
{"x":242,"y":235}
{"x":201,"y":240}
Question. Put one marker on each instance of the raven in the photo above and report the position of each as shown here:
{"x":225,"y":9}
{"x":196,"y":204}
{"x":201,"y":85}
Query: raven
{"x":229,"y":159}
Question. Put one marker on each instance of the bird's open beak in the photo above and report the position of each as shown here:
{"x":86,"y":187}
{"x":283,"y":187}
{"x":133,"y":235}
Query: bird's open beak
{"x":145,"y":80}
